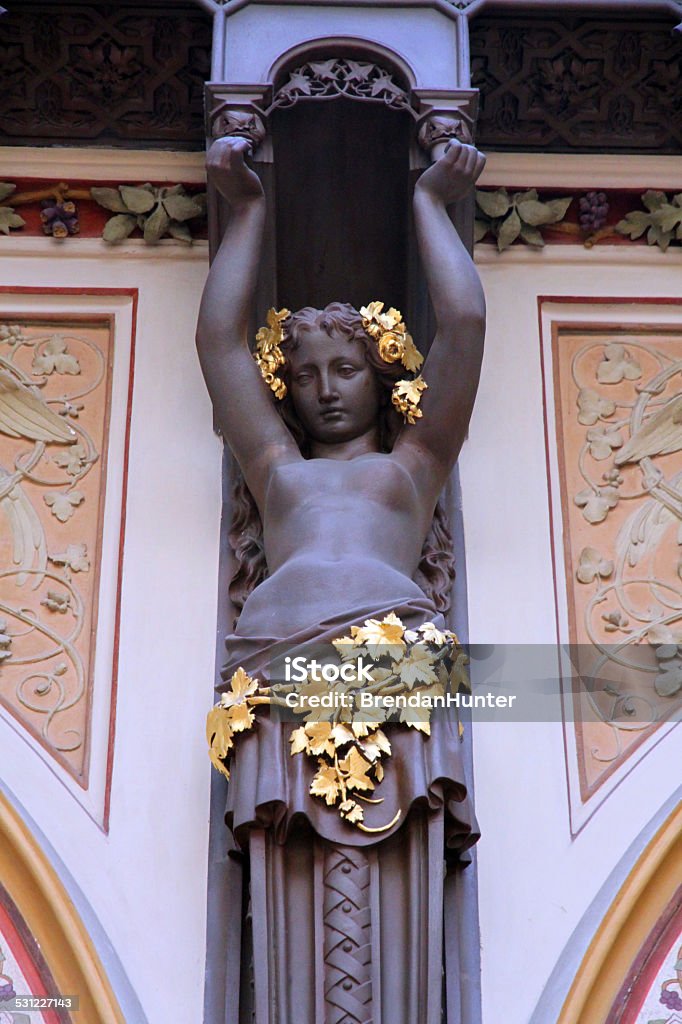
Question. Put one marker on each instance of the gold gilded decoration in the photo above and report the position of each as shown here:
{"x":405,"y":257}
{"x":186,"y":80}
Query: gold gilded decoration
{"x":406,"y":397}
{"x":411,"y":672}
{"x":389,"y":332}
{"x":268,"y":354}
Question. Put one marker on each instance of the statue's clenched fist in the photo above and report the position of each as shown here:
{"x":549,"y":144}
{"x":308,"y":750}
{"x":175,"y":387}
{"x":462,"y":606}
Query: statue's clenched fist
{"x":228,"y":171}
{"x":451,"y":176}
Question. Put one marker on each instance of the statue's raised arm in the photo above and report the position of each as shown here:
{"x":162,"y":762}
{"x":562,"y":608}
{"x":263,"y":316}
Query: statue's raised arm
{"x":243,"y":407}
{"x":452,"y":368}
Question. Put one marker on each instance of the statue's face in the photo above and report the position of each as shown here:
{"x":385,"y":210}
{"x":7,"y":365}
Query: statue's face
{"x":334,"y":389}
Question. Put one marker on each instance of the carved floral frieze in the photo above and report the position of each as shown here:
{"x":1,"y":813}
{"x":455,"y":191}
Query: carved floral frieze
{"x":54,"y":412}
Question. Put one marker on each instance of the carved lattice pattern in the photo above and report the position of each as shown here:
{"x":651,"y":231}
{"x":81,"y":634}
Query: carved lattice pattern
{"x":347,"y":937}
{"x":570,"y":82}
{"x":103,"y":73}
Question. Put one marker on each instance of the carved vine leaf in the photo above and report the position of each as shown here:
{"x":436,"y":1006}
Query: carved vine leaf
{"x":602,"y":440}
{"x":63,"y":505}
{"x":667,"y":647}
{"x":615,"y":621}
{"x":8,"y":218}
{"x":11,"y":333}
{"x":519,"y":216}
{"x":592,"y":407}
{"x":662,"y":220}
{"x":596,"y":504}
{"x":618,"y":365}
{"x":591,"y":565}
{"x":72,"y":459}
{"x":157,"y":212}
{"x":75,"y":558}
{"x":55,"y":358}
{"x":5,"y":641}
{"x":57,"y":601}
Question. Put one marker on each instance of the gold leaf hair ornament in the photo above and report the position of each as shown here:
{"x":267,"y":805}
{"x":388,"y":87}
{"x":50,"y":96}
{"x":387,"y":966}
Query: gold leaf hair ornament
{"x":395,"y":344}
{"x":268,"y":354}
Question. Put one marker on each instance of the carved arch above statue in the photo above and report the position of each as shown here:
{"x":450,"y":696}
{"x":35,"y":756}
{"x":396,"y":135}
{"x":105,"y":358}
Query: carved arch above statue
{"x":347,"y":67}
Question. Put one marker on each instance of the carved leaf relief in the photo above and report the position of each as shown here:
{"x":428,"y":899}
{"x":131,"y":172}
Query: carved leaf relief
{"x":619,"y":430}
{"x":54,"y":396}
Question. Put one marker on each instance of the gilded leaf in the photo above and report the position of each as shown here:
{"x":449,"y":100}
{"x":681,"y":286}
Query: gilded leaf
{"x":241,"y":687}
{"x":341,"y":735}
{"x":382,"y":637}
{"x":326,"y":783}
{"x":240,"y":717}
{"x":354,"y":766}
{"x":298,"y":741}
{"x":6,"y":189}
{"x":351,"y":811}
{"x":417,"y":667}
{"x":218,"y":731}
{"x":319,"y":738}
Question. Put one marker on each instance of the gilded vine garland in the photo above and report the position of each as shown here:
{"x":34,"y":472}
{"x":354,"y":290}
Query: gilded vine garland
{"x":346,"y":738}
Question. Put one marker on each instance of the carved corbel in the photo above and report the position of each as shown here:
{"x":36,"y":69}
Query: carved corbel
{"x":240,"y":113}
{"x":443,"y":118}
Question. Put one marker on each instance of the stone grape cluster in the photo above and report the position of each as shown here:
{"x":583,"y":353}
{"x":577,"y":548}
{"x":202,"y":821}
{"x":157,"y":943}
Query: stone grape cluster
{"x":594,"y":209}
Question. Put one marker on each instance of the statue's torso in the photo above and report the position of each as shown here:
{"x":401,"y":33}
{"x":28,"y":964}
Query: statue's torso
{"x":338,"y":535}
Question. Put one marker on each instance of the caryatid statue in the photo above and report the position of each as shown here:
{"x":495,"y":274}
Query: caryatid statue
{"x":344,"y":448}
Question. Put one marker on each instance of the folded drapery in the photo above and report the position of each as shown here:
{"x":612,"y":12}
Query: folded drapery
{"x":271,"y":789}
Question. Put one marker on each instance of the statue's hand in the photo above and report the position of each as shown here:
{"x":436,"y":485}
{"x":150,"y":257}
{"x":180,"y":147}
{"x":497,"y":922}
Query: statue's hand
{"x":451,"y":176}
{"x":229,"y":173}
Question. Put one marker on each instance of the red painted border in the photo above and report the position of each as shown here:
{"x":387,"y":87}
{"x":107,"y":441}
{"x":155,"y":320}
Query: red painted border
{"x":651,"y":957}
{"x":35,"y":978}
{"x":133,"y":293}
{"x":600,"y":300}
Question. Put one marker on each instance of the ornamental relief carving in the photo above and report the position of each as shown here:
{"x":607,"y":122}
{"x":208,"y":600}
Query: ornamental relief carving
{"x":93,"y":72}
{"x":54,"y":410}
{"x":618,"y":394}
{"x":569,"y":82}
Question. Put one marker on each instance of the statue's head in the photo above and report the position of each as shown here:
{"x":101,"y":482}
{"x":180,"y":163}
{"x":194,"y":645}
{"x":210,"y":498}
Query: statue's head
{"x":338,"y":386}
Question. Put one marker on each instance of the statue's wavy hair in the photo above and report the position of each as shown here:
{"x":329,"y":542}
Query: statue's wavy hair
{"x":436,"y":570}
